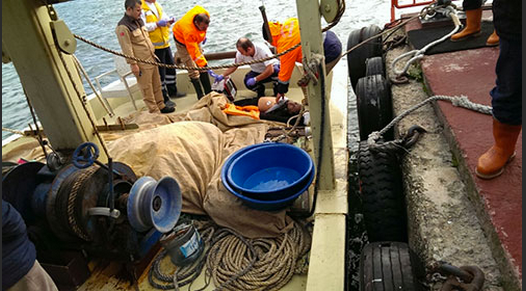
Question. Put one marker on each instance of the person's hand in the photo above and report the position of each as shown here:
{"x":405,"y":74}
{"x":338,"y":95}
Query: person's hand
{"x":251,"y":82}
{"x":279,"y":97}
{"x":217,"y":77}
{"x":135,"y":70}
{"x":162,"y":23}
{"x":171,"y":20}
{"x":204,"y":41}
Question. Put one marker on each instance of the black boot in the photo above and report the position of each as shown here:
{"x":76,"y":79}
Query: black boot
{"x":261,"y":90}
{"x":197,"y":87}
{"x":205,"y":81}
{"x":167,"y":100}
{"x":172,"y":91}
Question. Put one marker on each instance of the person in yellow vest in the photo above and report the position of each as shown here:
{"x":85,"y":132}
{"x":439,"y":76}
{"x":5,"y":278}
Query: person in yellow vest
{"x":158,"y":26}
{"x":189,"y":33}
{"x":134,"y":41}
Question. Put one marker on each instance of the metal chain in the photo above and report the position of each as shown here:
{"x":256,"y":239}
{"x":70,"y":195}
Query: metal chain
{"x":82,"y":100}
{"x":85,"y":74}
{"x":341,"y":10}
{"x":184,"y":67}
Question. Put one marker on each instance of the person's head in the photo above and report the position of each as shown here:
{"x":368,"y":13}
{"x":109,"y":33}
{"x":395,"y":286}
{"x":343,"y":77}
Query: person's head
{"x":201,"y":21}
{"x":245,"y":47}
{"x":293,"y":107}
{"x":133,"y":8}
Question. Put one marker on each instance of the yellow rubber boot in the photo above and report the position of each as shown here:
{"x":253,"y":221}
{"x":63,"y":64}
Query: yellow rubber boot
{"x":493,"y":39}
{"x":473,"y":18}
{"x":491,"y":163}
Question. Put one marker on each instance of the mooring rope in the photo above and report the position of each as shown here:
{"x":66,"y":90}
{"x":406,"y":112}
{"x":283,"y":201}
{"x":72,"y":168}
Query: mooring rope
{"x":461,"y":101}
{"x":416,"y":55}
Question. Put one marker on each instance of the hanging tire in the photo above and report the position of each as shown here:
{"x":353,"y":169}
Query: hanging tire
{"x":375,"y":107}
{"x":356,"y":58}
{"x":375,"y":66}
{"x":382,"y":195}
{"x":389,"y":266}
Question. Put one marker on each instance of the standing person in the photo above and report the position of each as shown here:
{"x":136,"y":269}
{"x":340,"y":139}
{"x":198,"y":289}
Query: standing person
{"x":286,"y":35}
{"x":473,"y":9}
{"x":506,"y":96}
{"x":134,"y":41}
{"x":158,"y":26}
{"x":20,"y":268}
{"x":189,"y":33}
{"x":260,"y":73}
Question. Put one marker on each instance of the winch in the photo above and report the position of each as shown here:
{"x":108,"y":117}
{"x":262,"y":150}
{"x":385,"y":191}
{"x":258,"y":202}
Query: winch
{"x":100,"y":209}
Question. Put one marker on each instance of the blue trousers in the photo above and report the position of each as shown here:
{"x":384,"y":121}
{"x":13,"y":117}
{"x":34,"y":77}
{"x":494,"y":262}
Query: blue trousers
{"x":168,"y":75}
{"x":506,"y":96}
{"x":471,"y":4}
{"x":259,"y":87}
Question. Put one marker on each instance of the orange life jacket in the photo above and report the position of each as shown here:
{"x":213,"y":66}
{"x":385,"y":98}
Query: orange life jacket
{"x":285,"y":36}
{"x":249,"y":110}
{"x":187,"y":34}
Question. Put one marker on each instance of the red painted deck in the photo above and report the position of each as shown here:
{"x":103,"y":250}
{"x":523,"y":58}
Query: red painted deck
{"x":472,"y":73}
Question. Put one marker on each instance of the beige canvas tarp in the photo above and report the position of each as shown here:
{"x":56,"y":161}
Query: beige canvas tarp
{"x":191,"y":147}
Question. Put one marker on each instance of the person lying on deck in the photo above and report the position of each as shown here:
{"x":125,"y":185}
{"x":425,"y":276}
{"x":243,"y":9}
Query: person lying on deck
{"x":270,"y":110}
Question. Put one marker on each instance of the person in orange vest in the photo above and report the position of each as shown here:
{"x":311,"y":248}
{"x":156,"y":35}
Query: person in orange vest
{"x":158,"y":26}
{"x":134,"y":41}
{"x":286,"y":35}
{"x":473,"y":9}
{"x":189,"y":34}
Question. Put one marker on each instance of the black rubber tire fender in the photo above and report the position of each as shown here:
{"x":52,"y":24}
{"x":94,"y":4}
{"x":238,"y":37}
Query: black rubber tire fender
{"x":374,"y":104}
{"x":382,"y":195}
{"x":356,"y":58}
{"x":389,"y":266}
{"x":374,"y":66}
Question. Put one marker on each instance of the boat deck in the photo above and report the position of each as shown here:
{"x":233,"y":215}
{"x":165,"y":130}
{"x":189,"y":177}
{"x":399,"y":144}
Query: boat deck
{"x":498,"y":201}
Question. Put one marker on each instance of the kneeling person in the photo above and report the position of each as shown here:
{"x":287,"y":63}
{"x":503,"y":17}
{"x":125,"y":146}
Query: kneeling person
{"x":260,"y":73}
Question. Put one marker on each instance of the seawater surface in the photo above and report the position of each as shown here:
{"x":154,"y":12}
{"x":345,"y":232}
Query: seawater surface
{"x":96,"y":20}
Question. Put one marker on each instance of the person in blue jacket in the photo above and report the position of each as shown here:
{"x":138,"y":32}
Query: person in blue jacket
{"x":20,"y":268}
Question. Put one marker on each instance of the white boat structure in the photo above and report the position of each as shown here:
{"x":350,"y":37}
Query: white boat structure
{"x":44,"y":61}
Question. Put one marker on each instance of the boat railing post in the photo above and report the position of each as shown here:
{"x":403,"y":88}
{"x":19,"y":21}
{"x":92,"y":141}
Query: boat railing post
{"x":311,"y":43}
{"x":27,"y":39}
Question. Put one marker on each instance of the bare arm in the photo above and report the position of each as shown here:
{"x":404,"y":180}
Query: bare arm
{"x":229,"y":71}
{"x":269,"y":70}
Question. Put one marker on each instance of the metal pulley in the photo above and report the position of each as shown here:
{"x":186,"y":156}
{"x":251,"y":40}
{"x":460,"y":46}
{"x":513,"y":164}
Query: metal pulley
{"x":154,"y":204}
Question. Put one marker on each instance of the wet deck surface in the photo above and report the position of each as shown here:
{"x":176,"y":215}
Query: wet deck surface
{"x":472,"y":73}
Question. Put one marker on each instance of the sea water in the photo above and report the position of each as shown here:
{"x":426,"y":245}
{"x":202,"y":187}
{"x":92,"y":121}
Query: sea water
{"x":230,"y":19}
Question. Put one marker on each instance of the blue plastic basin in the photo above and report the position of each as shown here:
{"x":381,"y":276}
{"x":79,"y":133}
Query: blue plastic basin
{"x":235,"y":155}
{"x":272,"y":172}
{"x":269,"y":205}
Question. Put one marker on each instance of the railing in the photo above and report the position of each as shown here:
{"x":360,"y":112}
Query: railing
{"x":413,"y":3}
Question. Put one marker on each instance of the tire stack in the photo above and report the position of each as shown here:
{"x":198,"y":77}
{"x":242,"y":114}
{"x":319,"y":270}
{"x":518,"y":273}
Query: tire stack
{"x":386,"y":262}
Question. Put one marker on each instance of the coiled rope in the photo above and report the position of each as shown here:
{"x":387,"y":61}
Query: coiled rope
{"x":236,"y":263}
{"x":461,"y":101}
{"x":257,"y":264}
